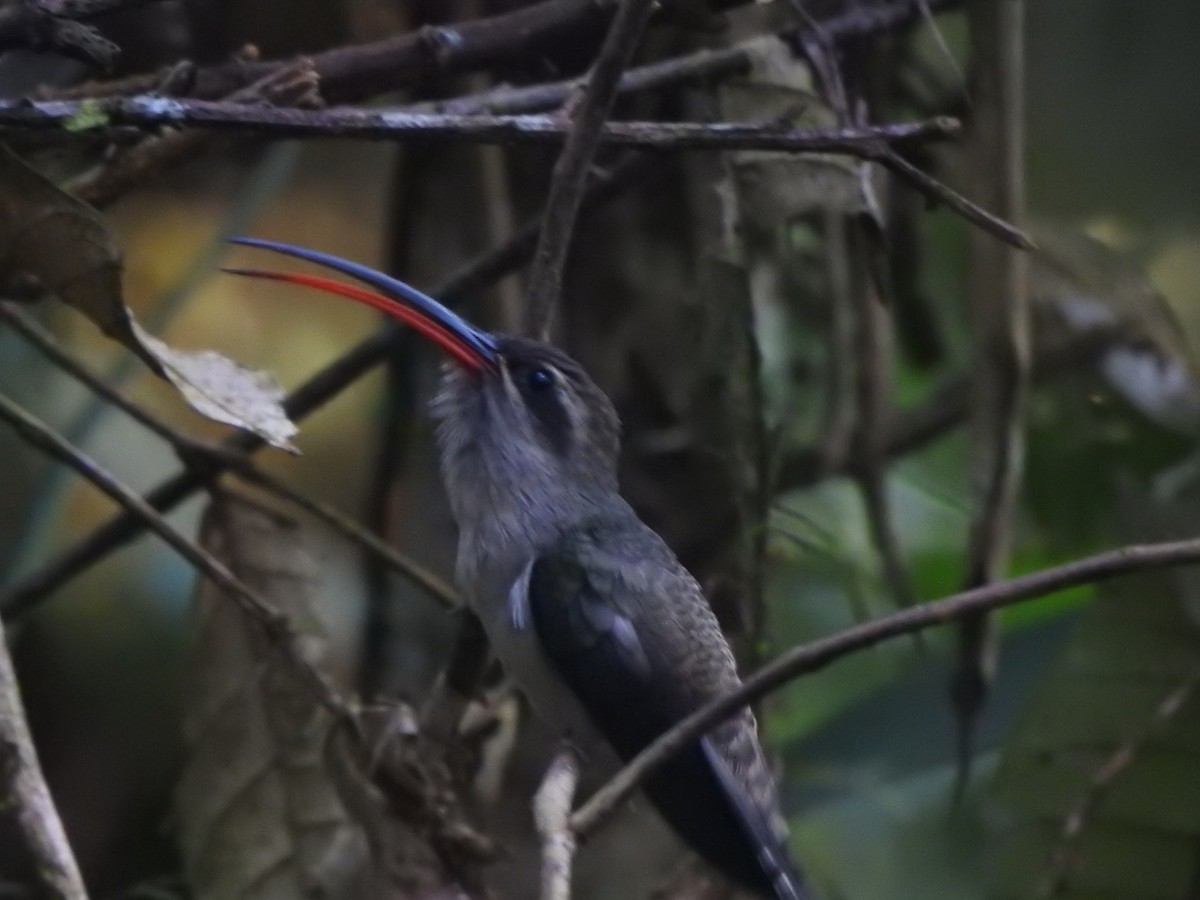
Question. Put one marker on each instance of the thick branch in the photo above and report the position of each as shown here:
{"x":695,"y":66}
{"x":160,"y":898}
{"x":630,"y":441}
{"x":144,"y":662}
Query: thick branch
{"x":552,"y":814}
{"x":362,"y":70}
{"x":816,"y":655}
{"x":586,"y":121}
{"x":23,"y":790}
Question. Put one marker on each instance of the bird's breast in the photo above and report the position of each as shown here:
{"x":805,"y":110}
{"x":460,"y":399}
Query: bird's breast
{"x":510,"y":630}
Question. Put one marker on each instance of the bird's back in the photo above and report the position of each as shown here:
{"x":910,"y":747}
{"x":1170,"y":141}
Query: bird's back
{"x":630,"y":632}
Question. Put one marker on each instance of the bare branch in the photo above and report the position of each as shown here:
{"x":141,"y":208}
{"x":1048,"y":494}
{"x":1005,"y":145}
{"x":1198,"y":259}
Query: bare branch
{"x":399,"y":562}
{"x":938,"y":192}
{"x":363,"y":70}
{"x":257,"y":608}
{"x":998,"y":296}
{"x":870,"y":142}
{"x":816,"y":655}
{"x":153,"y":112}
{"x":552,"y":814}
{"x":23,"y":788}
{"x":699,"y":66}
{"x":870,"y":350}
{"x":586,"y":121}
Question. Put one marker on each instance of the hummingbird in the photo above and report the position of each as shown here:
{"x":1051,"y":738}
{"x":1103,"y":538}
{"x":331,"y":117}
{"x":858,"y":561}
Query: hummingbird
{"x":597,"y":622}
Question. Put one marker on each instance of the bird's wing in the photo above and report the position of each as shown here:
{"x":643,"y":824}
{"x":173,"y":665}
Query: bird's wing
{"x":582,"y":611}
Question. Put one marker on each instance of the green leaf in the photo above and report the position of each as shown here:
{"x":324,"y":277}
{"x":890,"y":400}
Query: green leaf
{"x":1111,"y":749}
{"x":90,"y":115}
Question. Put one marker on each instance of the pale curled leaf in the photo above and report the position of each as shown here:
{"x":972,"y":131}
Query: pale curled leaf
{"x":220,"y":389}
{"x":52,"y":243}
{"x":258,"y":814}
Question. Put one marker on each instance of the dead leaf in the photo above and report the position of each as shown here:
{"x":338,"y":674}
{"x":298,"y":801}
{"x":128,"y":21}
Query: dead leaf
{"x":217,"y":387}
{"x":53,"y":243}
{"x":258,"y":813}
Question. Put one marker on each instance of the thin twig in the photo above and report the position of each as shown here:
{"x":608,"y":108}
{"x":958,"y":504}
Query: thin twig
{"x":256,"y":607}
{"x":817,"y":654}
{"x":356,"y":72}
{"x":23,"y":790}
{"x":871,"y":356}
{"x":702,"y":65}
{"x":552,"y":815}
{"x":873,"y":383}
{"x":192,"y":451}
{"x":999,"y":302}
{"x":435,"y":587}
{"x":938,"y":192}
{"x":1065,"y":858}
{"x":330,"y":381}
{"x":586,"y":122}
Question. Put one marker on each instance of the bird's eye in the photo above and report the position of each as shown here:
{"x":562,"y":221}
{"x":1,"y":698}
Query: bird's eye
{"x":540,"y":378}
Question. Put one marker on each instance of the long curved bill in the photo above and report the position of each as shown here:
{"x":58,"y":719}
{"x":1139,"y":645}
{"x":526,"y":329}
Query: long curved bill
{"x":469,"y":346}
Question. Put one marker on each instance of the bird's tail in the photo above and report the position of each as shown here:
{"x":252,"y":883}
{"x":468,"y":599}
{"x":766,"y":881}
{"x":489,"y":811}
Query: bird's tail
{"x":777,"y":866}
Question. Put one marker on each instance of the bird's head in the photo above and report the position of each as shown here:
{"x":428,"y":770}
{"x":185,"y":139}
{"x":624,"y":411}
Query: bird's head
{"x":520,"y":422}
